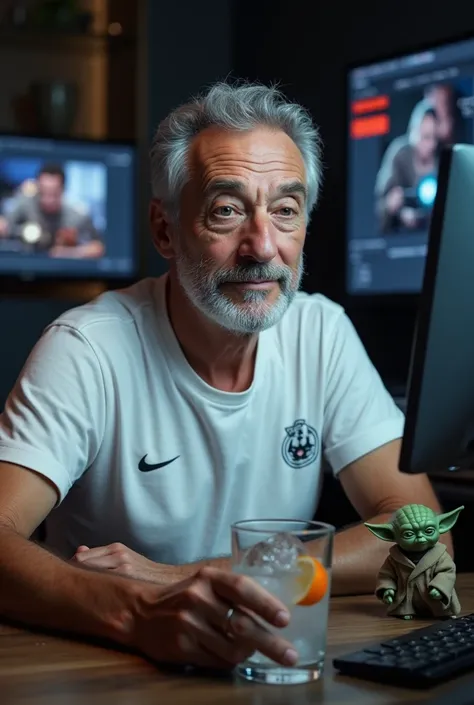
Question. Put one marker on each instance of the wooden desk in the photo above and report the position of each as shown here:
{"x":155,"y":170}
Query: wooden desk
{"x":45,"y":670}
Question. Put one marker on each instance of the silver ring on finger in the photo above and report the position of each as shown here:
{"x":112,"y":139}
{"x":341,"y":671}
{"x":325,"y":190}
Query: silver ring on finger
{"x":229,"y":632}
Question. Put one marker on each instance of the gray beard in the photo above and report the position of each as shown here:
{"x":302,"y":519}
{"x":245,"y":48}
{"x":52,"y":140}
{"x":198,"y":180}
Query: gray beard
{"x":203,"y":288}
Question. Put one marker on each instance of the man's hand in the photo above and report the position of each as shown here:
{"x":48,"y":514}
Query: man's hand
{"x":388,"y":596}
{"x":191,"y":614}
{"x":119,"y":559}
{"x":66,"y":237}
{"x":408,"y":217}
{"x":191,"y":619}
{"x":394,"y":199}
{"x":88,"y":250}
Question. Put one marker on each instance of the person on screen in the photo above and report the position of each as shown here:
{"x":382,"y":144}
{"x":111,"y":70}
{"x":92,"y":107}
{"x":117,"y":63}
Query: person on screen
{"x":41,"y":217}
{"x":406,"y":162}
{"x":441,"y":97}
{"x":147,"y":421}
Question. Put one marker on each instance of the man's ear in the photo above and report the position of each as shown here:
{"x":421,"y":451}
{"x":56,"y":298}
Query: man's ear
{"x":448,"y":520}
{"x":161,"y":229}
{"x":382,"y":531}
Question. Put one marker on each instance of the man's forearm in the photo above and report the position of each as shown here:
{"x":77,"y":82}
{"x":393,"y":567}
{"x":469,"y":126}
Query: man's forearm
{"x":92,"y":249}
{"x":357,"y":558}
{"x":40,"y":589}
{"x":164,"y":574}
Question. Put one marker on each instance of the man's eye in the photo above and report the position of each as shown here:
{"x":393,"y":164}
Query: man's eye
{"x":408,"y":534}
{"x":429,"y":530}
{"x":287,"y":211}
{"x":223,"y":211}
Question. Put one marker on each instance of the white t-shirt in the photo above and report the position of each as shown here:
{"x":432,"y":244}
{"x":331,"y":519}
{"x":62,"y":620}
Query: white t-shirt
{"x":144,"y":452}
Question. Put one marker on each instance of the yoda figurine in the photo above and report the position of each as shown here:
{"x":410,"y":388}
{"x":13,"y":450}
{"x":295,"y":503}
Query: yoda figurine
{"x":418,"y":576}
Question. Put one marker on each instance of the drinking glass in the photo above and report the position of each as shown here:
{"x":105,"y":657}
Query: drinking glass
{"x":275,"y":553}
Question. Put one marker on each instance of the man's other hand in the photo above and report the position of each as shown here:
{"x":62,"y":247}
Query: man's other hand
{"x":66,"y":237}
{"x":117,"y":558}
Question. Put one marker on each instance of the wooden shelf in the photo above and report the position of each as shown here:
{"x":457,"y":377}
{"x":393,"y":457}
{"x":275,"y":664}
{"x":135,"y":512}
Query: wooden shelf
{"x":62,"y":41}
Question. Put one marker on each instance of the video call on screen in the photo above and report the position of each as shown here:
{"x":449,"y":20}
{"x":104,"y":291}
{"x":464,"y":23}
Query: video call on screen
{"x":67,"y":208}
{"x":401,"y":113}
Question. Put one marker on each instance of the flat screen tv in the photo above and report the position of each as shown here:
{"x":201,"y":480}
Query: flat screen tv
{"x":67,"y":209}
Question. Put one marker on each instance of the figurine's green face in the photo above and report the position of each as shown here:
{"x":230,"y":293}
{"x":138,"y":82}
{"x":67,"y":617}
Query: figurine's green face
{"x":415,"y":527}
{"x":417,"y":531}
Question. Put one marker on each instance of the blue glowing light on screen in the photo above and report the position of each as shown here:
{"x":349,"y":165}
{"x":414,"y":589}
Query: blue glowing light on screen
{"x":427,"y":190}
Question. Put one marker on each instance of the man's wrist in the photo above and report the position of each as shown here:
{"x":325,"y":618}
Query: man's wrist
{"x":223,"y":562}
{"x":135,"y":597}
{"x":164,"y":574}
{"x":112,"y":604}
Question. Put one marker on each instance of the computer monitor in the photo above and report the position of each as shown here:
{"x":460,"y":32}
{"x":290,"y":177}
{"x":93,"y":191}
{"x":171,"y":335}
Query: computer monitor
{"x":400,"y":113}
{"x":439,"y":425}
{"x":67,"y":209}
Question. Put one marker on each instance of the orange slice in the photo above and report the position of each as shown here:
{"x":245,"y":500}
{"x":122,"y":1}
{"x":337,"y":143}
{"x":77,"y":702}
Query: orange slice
{"x":312,"y":581}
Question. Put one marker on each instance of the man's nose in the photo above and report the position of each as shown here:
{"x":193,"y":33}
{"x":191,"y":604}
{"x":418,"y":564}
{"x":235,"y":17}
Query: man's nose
{"x":259,"y":240}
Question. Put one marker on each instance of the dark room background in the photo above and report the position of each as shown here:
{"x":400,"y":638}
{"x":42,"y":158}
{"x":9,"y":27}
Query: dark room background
{"x":305,"y":47}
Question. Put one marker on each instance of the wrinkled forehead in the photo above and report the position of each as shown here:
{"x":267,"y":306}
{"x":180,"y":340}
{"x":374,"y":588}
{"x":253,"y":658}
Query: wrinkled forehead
{"x":261,"y":158}
{"x":417,"y":525}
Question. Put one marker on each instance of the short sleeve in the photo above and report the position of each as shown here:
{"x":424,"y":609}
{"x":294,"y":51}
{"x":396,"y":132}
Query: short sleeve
{"x":54,"y":417}
{"x":359,"y":413}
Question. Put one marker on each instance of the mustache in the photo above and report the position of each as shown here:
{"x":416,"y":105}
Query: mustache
{"x":252,"y":273}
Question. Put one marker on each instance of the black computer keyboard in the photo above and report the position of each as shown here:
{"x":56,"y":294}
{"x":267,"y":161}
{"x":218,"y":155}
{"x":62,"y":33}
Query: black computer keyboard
{"x":420,"y":659}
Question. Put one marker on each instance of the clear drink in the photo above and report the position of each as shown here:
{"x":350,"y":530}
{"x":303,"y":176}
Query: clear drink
{"x":269,"y":552}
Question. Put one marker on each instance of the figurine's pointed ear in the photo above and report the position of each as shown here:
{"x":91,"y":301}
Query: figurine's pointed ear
{"x":448,"y":520}
{"x":382,"y":531}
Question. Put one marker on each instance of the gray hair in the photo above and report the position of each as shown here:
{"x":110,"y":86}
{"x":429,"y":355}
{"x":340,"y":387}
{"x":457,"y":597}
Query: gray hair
{"x":233,"y":107}
{"x":421,"y":110}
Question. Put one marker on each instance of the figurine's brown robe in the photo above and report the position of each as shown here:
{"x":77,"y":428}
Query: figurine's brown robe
{"x":412,"y":583}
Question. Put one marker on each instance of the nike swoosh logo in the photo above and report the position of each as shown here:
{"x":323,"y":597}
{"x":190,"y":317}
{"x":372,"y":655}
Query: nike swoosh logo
{"x":143,"y":466}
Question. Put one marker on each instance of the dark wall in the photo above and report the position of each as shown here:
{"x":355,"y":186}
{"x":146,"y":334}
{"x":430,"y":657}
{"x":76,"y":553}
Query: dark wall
{"x":306,"y":47}
{"x":308,"y":54}
{"x":187,"y":50}
{"x":190,"y":47}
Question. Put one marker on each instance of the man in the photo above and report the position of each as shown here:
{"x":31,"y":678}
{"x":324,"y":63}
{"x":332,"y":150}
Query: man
{"x":406,"y":162}
{"x":147,"y":421}
{"x":448,"y":118}
{"x":43,"y":219}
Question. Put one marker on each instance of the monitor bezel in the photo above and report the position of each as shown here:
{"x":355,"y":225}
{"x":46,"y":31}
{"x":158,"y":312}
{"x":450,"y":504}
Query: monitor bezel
{"x":26,"y":281}
{"x":380,"y":300}
{"x":425,"y":312}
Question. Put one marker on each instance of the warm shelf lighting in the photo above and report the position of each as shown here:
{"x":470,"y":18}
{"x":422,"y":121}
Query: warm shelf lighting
{"x":115,"y":29}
